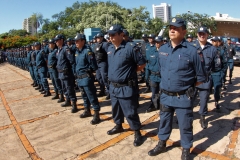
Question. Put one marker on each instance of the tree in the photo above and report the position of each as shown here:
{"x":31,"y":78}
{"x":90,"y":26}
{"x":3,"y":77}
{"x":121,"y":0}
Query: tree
{"x":19,"y":32}
{"x":37,"y":20}
{"x":195,"y":20}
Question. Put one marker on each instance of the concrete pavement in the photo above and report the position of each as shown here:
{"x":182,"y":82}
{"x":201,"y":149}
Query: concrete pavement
{"x":34,"y":127}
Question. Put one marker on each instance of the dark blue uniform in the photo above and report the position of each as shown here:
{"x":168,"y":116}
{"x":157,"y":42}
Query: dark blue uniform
{"x":180,"y":68}
{"x":64,"y":67}
{"x":33,"y":61}
{"x":230,"y":53}
{"x":153,"y":73}
{"x":207,"y":56}
{"x":85,"y":65}
{"x":52,"y":63}
{"x":102,"y":61}
{"x":42,"y":69}
{"x":30,"y":66}
{"x":123,"y":86}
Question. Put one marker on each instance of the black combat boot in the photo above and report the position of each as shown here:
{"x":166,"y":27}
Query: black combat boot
{"x":61,"y":98}
{"x":74,"y":107}
{"x":230,"y":80}
{"x":185,"y":154}
{"x":203,"y":122}
{"x":117,"y":129}
{"x":217,"y":105}
{"x":151,"y":108}
{"x":96,"y":119}
{"x":47,"y":94}
{"x":41,"y":90}
{"x":138,"y":140}
{"x":108,"y":96}
{"x":32,"y":83}
{"x":35,"y":84}
{"x":224,"y":87}
{"x":56,"y":96}
{"x":160,"y":148}
{"x":86,"y":113}
{"x":66,"y":104}
{"x":38,"y":87}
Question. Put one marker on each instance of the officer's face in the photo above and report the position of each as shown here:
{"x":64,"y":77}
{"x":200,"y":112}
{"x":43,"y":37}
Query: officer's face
{"x":202,"y":37}
{"x":215,"y":43}
{"x":150,"y":40}
{"x":51,"y":45}
{"x":116,"y":38}
{"x":189,"y":39}
{"x":125,"y":37}
{"x":176,"y":33}
{"x":59,"y":42}
{"x":69,"y":43}
{"x":229,"y":41}
{"x":99,"y":39}
{"x":79,"y":43}
{"x":158,"y":44}
{"x":37,"y":47}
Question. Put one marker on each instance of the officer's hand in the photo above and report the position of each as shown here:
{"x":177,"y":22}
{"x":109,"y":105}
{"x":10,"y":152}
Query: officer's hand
{"x":140,"y":67}
{"x":198,"y":83}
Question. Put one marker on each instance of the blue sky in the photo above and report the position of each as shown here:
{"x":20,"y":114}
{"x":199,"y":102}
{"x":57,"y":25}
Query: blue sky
{"x":13,"y":12}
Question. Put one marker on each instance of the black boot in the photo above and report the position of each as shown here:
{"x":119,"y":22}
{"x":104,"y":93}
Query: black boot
{"x":160,"y":148}
{"x":230,"y":81}
{"x":61,"y":98}
{"x":117,"y":129}
{"x":47,"y":94}
{"x":224,"y":87}
{"x":67,"y":103}
{"x":41,"y":89}
{"x":185,"y":154}
{"x":32,"y":83}
{"x":203,"y":122}
{"x":108,"y":96}
{"x":35,"y":84}
{"x":96,"y":119}
{"x":56,"y":96}
{"x":38,"y":87}
{"x":86,"y":113}
{"x":137,"y":138}
{"x":217,"y":105}
{"x":151,"y":108}
{"x":74,"y":107}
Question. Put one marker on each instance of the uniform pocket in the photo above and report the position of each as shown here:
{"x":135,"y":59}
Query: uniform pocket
{"x":183,"y":63}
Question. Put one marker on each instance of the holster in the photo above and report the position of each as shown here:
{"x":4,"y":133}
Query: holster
{"x":190,"y":92}
{"x":164,"y":109}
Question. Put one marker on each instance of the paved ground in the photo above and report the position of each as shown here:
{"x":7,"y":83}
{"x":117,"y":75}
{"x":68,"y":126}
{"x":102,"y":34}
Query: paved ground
{"x":34,"y":127}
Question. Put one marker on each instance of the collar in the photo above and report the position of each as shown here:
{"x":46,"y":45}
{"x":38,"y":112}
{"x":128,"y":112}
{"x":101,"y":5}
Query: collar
{"x":182,"y":43}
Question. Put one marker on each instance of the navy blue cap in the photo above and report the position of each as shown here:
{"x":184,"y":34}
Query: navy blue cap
{"x":99,"y":35}
{"x":115,"y":28}
{"x":177,"y":22}
{"x":189,"y":36}
{"x":202,"y":29}
{"x":144,"y":35}
{"x":126,"y":32}
{"x":37,"y":43}
{"x":59,"y":36}
{"x":220,"y":38}
{"x":151,"y":36}
{"x":214,"y":38}
{"x":158,"y":39}
{"x":165,"y":38}
{"x":80,"y":36}
{"x":69,"y":39}
{"x":51,"y":40}
{"x":45,"y":41}
{"x":228,"y":38}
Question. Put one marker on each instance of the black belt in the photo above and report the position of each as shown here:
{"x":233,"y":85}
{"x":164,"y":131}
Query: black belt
{"x":83,"y":76}
{"x":155,"y":73}
{"x":118,"y":85}
{"x":173,"y":93}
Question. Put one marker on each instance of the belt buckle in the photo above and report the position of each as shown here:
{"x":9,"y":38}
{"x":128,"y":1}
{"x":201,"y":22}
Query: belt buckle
{"x":178,"y":95}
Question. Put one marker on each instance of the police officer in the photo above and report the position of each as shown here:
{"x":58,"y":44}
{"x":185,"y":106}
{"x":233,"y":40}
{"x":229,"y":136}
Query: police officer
{"x":207,"y":54}
{"x":144,"y":43}
{"x":45,"y":46}
{"x":181,"y":69}
{"x":224,"y":55}
{"x":123,"y":61}
{"x":35,"y":72}
{"x":30,"y":66}
{"x":150,"y":49}
{"x":65,"y":74}
{"x":41,"y":65}
{"x":85,"y":65}
{"x":52,"y":63}
{"x":154,"y":74}
{"x":217,"y":73}
{"x":100,"y":51}
{"x":189,"y":38}
{"x":230,"y":52}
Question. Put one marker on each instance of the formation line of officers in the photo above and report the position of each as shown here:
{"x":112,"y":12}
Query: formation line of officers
{"x":175,"y":71}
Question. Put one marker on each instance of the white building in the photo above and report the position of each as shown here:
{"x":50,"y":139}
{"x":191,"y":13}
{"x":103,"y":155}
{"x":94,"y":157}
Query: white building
{"x":163,"y":11}
{"x":29,"y":27}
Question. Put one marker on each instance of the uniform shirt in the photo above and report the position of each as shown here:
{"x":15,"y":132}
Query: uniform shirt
{"x":41,"y":58}
{"x":52,"y":58}
{"x":100,"y":50}
{"x":28,"y":59}
{"x":143,"y":47}
{"x":122,"y":65}
{"x":207,"y":56}
{"x":230,"y":52}
{"x":85,"y":61}
{"x":152,"y":66}
{"x":180,"y":68}
{"x":150,"y":48}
